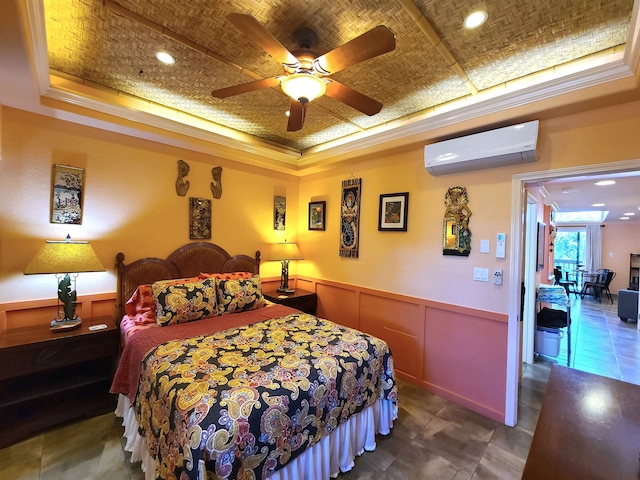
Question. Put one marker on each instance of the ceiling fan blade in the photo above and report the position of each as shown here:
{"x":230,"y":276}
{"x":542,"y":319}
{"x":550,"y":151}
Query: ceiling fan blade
{"x":246,"y":87}
{"x":353,"y":98}
{"x":297,"y":112}
{"x":368,"y":45}
{"x":257,"y":33}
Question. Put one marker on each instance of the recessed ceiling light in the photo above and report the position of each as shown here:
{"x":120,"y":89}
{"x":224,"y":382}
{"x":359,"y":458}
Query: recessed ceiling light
{"x":624,"y":218}
{"x":597,"y":204}
{"x":605,"y":182}
{"x":475,"y":19}
{"x":628,"y":214}
{"x":165,"y":58}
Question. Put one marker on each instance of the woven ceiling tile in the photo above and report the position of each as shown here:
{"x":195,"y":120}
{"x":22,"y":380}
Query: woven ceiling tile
{"x":96,"y":44}
{"x":520,"y":38}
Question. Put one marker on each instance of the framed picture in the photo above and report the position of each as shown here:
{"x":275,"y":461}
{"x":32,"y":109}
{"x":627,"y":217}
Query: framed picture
{"x":67,"y":188}
{"x":279,"y":212}
{"x":317,"y":215}
{"x":199,"y":218}
{"x":392,"y":215}
{"x":541,"y":249}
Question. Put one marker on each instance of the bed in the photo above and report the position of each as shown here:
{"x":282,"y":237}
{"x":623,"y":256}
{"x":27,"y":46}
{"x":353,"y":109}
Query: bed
{"x":213,"y":381}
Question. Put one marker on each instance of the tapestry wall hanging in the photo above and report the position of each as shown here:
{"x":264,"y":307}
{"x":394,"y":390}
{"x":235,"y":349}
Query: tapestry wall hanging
{"x":67,"y":185}
{"x":199,"y":218}
{"x":456,"y":236}
{"x":350,"y":217}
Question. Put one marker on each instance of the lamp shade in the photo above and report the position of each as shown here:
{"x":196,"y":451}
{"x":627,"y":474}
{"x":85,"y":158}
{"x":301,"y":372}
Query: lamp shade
{"x":285,"y":251}
{"x":303,"y":87}
{"x":65,"y":257}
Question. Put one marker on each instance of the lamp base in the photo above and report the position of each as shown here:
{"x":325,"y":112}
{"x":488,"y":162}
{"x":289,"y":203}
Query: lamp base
{"x":286,"y":290}
{"x":66,"y":324}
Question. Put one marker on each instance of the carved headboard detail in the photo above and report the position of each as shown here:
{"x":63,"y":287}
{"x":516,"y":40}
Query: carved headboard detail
{"x":187,"y":261}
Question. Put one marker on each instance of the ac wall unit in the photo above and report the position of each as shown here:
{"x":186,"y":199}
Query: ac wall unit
{"x":503,"y":146}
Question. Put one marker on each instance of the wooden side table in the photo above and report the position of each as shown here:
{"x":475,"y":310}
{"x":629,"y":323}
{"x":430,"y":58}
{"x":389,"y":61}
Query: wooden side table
{"x":300,"y":299}
{"x":47,"y":378}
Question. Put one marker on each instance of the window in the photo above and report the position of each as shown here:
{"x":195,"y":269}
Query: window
{"x":569,"y":248}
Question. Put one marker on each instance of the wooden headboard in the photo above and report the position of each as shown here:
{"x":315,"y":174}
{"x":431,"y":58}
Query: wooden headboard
{"x":187,"y":261}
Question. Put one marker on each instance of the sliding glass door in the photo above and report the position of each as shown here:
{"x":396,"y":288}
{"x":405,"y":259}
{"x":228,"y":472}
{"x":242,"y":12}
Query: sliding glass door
{"x":569,"y":250}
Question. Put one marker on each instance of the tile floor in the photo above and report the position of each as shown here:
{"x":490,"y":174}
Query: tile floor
{"x":432,"y":438}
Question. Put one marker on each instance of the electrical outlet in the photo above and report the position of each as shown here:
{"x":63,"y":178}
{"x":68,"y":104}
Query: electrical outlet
{"x":497,"y":277}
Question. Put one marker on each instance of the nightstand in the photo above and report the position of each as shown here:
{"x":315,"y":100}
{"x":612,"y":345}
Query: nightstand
{"x":48,"y":378}
{"x":300,"y":299}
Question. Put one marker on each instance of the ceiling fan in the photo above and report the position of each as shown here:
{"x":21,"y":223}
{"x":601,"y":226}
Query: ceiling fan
{"x":306,"y":73}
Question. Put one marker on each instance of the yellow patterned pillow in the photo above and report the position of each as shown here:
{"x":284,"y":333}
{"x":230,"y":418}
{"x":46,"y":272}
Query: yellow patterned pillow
{"x":238,"y":295}
{"x":184,"y":302}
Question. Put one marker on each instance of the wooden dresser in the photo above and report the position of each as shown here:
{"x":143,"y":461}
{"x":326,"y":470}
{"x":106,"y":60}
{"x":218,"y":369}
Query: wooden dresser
{"x":588,"y":429}
{"x":48,"y":378}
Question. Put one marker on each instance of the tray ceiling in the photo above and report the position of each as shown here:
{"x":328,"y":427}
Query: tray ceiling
{"x":111,"y":47}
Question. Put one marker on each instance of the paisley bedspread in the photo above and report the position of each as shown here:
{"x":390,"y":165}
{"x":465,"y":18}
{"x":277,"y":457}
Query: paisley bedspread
{"x":243,"y":402}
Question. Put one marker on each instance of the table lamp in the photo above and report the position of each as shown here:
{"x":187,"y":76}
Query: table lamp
{"x":65,"y":259}
{"x":285,"y":252}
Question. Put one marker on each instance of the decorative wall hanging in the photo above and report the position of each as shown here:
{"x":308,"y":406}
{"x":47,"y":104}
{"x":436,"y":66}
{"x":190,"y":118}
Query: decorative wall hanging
{"x":279,"y":212}
{"x":317,"y":215}
{"x":392,"y":214}
{"x":456,"y":236}
{"x":199,"y":218}
{"x":216,"y":185}
{"x":350,"y":217}
{"x":181,"y":185}
{"x":67,"y":188}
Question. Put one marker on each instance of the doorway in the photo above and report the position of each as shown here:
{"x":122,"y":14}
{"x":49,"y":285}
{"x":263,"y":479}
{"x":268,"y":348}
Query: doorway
{"x":516,"y":266}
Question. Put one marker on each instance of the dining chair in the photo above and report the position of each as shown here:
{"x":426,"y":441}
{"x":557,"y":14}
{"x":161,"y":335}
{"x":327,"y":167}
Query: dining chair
{"x":599,"y":286}
{"x":566,"y":283}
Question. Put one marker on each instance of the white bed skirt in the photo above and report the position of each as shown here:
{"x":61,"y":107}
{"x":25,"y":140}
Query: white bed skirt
{"x":325,"y":460}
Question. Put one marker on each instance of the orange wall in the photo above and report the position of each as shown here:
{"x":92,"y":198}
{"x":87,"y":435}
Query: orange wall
{"x":131,"y":206}
{"x":412,"y":263}
{"x":130,"y":201}
{"x":618,"y":241}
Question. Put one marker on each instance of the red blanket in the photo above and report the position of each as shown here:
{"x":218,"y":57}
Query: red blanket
{"x":127,"y":374}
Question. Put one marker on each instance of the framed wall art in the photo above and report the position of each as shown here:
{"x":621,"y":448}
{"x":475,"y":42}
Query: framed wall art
{"x":279,"y":212}
{"x":392,"y":214}
{"x":67,"y":188}
{"x":350,"y":218}
{"x":199,"y":218}
{"x":317,"y":215}
{"x":540,"y":246}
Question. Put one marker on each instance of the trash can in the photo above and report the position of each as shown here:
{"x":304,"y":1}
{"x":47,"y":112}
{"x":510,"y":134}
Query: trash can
{"x":548,"y":341}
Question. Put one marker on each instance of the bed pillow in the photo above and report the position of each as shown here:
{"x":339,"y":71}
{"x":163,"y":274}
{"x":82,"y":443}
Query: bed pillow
{"x":184,"y":302}
{"x":238,"y":295}
{"x":227,"y":275}
{"x":141,"y":307}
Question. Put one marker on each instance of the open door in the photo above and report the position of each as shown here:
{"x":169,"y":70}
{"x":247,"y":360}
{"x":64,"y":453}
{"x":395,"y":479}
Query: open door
{"x":530,"y":248}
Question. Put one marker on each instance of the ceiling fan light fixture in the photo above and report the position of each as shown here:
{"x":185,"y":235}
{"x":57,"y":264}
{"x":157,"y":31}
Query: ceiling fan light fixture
{"x":303,"y":87}
{"x":475,"y":19}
